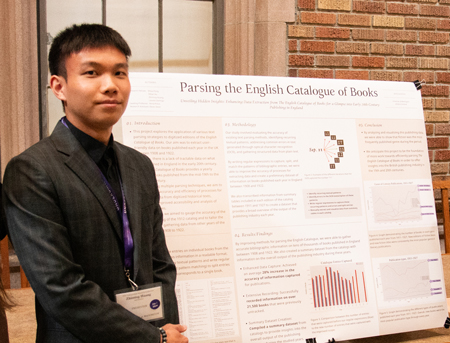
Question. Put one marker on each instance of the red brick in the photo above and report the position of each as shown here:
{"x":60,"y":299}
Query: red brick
{"x":334,"y":5}
{"x":437,"y":192}
{"x":425,"y":1}
{"x":443,"y":50}
{"x":437,"y":142}
{"x":436,"y":116}
{"x":401,"y":62}
{"x":408,"y":9}
{"x":439,"y":168}
{"x":354,"y":19}
{"x":409,"y":76}
{"x":419,"y":50}
{"x":316,"y":46}
{"x":387,"y":49}
{"x":293,"y":46}
{"x":300,"y":31}
{"x":335,"y":33}
{"x":420,"y":23}
{"x":401,"y":36}
{"x":433,"y":63}
{"x":433,"y":37}
{"x":382,"y":75}
{"x":442,"y":155}
{"x":442,"y":129}
{"x":293,"y":72}
{"x":428,"y":103}
{"x":443,"y":77}
{"x":434,"y":11}
{"x":369,"y":6}
{"x":316,"y":73}
{"x":352,"y":74}
{"x":430,"y":155}
{"x":332,"y":61}
{"x":352,"y":48}
{"x":368,"y":34}
{"x":442,"y":104}
{"x":368,"y":62}
{"x":301,"y":60}
{"x":429,"y":90}
{"x":318,"y":18}
{"x":443,"y":24}
{"x":429,"y":129}
{"x":306,"y":4}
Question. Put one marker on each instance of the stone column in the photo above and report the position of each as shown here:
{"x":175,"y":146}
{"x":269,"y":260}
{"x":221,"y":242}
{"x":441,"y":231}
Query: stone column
{"x":255,"y":36}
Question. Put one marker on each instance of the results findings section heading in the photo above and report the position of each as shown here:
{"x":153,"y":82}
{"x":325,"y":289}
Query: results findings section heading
{"x":293,"y":208}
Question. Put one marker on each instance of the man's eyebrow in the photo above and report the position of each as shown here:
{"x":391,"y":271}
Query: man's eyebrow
{"x":121,"y":65}
{"x":96,"y":64}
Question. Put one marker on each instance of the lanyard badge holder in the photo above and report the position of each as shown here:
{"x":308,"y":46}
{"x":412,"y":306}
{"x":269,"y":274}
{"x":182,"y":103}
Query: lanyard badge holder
{"x":144,"y":301}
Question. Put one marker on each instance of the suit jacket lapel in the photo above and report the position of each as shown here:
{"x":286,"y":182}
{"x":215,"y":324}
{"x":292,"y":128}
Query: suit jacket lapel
{"x":130,"y":181}
{"x":85,"y":168}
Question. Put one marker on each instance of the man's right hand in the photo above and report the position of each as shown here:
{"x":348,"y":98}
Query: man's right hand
{"x":174,"y":333}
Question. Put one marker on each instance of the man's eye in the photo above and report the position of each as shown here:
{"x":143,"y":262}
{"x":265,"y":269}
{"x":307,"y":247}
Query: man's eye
{"x":90,"y":72}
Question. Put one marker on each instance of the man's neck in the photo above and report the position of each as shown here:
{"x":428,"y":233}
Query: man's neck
{"x":102,"y":135}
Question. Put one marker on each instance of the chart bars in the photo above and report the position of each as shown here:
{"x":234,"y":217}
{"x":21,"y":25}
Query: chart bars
{"x":342,"y":285}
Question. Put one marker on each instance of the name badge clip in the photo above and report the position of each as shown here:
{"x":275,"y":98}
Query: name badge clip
{"x":133,"y":284}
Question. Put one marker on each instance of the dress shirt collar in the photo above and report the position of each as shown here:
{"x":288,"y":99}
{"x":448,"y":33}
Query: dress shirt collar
{"x":95,"y":149}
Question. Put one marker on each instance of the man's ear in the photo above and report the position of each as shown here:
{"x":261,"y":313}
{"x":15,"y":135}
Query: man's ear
{"x":58,"y":86}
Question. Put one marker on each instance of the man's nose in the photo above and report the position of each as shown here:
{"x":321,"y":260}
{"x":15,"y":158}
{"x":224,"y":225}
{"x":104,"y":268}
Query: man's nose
{"x":108,"y":83}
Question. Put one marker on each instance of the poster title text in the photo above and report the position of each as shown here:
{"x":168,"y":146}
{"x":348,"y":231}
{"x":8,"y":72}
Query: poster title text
{"x":269,"y":89}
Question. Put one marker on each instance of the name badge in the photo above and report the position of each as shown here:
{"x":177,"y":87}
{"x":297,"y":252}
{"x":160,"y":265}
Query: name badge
{"x":145,"y":303}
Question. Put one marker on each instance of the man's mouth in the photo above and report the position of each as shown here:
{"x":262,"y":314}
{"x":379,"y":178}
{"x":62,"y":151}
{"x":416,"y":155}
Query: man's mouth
{"x":109,"y":102}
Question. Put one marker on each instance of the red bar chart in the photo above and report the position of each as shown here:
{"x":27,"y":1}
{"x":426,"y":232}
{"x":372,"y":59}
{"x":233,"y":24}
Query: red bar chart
{"x":338,"y":285}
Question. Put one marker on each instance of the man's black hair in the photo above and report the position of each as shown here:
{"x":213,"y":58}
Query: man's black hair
{"x":78,"y":37}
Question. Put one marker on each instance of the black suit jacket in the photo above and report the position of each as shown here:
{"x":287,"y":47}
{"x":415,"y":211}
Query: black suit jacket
{"x":3,"y":229}
{"x":68,"y":238}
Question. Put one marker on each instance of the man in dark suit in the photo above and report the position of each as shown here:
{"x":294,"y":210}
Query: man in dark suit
{"x":83,"y":210}
{"x":4,"y":300}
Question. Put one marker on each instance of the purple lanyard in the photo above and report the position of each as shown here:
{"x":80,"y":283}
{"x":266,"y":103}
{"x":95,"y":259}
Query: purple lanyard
{"x":122,"y":213}
{"x":127,"y":238}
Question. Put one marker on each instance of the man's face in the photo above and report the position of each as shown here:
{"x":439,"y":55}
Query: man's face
{"x":96,"y":90}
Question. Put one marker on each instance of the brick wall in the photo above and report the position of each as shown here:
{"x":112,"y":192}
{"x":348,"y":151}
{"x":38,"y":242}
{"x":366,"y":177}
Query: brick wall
{"x":398,"y":40}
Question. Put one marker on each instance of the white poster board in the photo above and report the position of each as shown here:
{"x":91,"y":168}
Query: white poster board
{"x":293,"y":208}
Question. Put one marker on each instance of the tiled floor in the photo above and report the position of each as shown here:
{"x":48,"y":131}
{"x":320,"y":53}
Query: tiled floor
{"x":21,"y":319}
